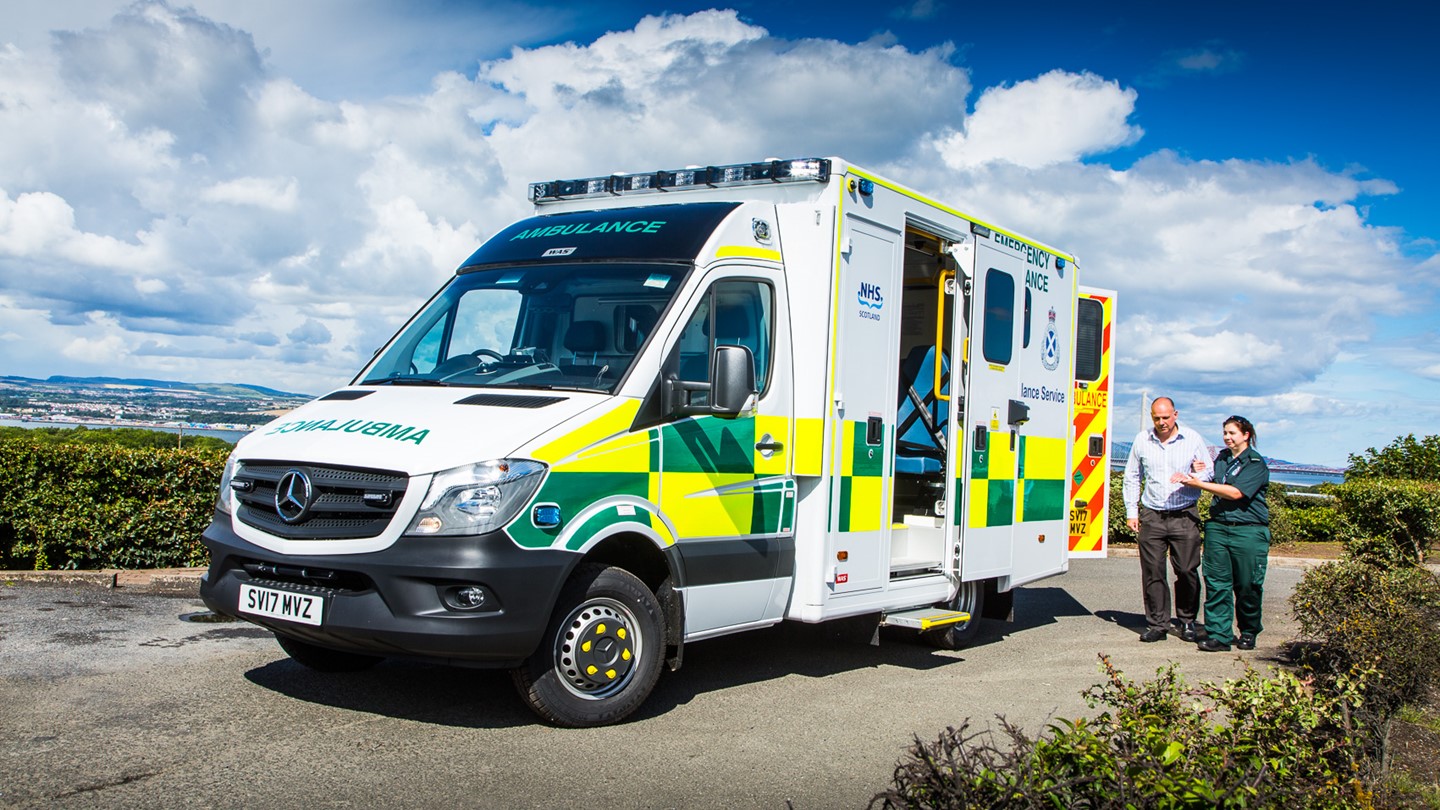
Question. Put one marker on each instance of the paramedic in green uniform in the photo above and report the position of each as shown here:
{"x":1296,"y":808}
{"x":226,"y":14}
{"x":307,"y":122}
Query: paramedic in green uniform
{"x":1237,"y":540}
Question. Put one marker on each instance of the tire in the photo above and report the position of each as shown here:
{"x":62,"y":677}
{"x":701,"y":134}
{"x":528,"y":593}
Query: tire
{"x":971,"y":599}
{"x":601,"y":654}
{"x":322,"y":659}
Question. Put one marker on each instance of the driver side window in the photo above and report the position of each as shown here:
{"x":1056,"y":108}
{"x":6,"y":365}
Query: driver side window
{"x":733,"y":313}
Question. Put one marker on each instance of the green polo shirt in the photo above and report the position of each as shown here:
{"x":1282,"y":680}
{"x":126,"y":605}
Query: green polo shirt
{"x":1247,"y":473}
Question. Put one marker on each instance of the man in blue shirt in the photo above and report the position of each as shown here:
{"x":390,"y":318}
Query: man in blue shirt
{"x":1164,"y":515}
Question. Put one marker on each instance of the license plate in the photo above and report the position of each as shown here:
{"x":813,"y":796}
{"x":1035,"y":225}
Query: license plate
{"x":292,"y":607}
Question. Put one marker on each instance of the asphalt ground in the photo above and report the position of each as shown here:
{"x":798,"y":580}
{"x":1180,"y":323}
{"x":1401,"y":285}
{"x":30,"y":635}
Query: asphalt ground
{"x":117,"y":697}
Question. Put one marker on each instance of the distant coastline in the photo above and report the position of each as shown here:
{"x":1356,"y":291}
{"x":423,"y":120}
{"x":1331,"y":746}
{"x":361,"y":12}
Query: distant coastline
{"x":1294,"y":475}
{"x":229,"y":433}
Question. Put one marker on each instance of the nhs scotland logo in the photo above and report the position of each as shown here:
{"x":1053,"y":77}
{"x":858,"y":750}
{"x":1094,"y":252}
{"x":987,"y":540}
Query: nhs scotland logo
{"x":871,"y":300}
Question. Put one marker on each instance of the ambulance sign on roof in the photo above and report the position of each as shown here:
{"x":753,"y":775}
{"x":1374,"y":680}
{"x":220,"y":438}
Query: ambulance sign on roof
{"x":652,"y":232}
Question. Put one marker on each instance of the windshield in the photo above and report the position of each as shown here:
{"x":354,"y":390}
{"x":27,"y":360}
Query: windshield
{"x":565,"y":326}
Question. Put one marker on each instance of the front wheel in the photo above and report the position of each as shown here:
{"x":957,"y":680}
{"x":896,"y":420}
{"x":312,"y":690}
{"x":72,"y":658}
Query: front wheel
{"x":971,"y":599}
{"x":601,"y":654}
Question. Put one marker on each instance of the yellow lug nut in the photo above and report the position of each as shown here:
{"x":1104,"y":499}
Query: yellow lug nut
{"x":600,"y":629}
{"x":620,"y":633}
{"x":625,"y":654}
{"x":585,"y":647}
{"x":591,"y":670}
{"x":610,"y":673}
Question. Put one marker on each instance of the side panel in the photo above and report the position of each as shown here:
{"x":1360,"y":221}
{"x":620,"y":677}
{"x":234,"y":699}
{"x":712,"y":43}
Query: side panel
{"x":1090,"y":473}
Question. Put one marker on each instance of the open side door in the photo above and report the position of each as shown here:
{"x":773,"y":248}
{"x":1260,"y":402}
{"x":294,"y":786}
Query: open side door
{"x":1017,"y":418}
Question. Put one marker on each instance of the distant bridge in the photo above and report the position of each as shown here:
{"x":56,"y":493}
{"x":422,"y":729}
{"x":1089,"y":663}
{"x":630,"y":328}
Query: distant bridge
{"x":1118,"y":464}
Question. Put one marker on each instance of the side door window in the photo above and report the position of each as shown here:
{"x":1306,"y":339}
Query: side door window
{"x":732,"y":313}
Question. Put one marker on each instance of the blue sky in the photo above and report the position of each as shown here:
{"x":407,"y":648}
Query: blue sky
{"x":260,"y":192}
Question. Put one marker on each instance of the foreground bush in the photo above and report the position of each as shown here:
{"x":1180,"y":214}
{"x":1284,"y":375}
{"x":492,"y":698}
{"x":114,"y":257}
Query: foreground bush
{"x":103,"y":505}
{"x":1356,"y":613}
{"x":1255,"y":741}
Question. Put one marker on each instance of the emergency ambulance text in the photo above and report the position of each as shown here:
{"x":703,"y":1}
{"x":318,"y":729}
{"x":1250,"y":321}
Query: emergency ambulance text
{"x":1033,"y":255}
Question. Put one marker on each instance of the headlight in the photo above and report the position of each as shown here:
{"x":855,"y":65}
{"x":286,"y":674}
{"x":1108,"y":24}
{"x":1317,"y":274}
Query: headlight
{"x":222,"y":502}
{"x":477,"y":498}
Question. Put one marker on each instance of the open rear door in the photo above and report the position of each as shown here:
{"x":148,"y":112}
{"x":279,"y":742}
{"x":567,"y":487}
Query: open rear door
{"x":1090,"y":474}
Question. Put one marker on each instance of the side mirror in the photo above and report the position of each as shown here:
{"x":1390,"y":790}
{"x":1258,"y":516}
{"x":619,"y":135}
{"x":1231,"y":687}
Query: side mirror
{"x":734,"y":380}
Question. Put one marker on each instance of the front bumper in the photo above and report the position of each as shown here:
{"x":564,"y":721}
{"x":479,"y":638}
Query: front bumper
{"x":399,"y":601}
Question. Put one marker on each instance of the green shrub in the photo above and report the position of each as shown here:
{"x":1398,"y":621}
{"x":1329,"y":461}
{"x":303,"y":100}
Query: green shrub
{"x":1388,"y":521}
{"x":1405,"y":458}
{"x":1119,"y":529}
{"x":124,"y":436}
{"x":1357,"y":614}
{"x":1315,"y":520}
{"x":104,"y":505}
{"x":1255,"y":741}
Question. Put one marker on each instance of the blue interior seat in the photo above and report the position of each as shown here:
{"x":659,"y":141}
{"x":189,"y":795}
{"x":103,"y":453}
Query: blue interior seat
{"x":922,"y":417}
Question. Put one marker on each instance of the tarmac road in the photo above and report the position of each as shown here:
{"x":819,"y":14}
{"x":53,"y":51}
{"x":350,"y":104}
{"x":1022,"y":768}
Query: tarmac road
{"x":108,"y":698}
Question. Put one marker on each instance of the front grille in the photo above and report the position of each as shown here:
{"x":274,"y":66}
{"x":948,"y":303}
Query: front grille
{"x":344,"y":502}
{"x":317,"y":582}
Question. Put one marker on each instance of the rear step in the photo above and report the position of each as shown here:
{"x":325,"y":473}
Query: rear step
{"x":925,"y":618}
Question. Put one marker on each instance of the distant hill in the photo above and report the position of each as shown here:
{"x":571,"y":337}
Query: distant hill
{"x":219,"y":389}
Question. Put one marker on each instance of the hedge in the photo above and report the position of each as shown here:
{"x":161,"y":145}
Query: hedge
{"x":89,"y":506}
{"x":1403,"y":516}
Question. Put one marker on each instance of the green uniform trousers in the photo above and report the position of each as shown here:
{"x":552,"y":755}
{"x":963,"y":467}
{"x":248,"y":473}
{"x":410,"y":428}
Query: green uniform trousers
{"x":1234,"y":573}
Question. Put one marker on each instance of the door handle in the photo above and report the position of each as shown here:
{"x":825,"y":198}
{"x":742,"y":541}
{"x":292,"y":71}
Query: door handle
{"x":768,"y":446}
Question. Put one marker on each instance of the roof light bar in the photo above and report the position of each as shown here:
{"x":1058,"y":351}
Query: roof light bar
{"x":737,"y":174}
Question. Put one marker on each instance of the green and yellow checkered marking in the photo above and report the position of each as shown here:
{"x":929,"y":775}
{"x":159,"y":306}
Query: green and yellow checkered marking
{"x":715,"y":482}
{"x":1042,"y":479}
{"x":862,"y":479}
{"x":1037,"y":492}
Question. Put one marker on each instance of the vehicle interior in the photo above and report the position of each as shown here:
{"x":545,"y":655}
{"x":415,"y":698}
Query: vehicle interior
{"x":924,"y":402}
{"x":552,"y":326}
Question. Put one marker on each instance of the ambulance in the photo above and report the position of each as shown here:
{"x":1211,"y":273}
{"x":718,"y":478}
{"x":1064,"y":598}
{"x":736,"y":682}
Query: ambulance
{"x":671,"y":406}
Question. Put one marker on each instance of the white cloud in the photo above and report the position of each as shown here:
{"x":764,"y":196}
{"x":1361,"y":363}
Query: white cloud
{"x":708,"y":88}
{"x":1055,"y":118}
{"x":41,"y":226}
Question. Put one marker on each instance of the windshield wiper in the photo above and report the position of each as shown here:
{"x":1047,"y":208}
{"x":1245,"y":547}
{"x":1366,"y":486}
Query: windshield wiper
{"x":407,"y":381}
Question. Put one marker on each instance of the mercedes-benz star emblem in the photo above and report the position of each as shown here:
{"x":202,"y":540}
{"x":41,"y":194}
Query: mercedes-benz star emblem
{"x":292,"y":496}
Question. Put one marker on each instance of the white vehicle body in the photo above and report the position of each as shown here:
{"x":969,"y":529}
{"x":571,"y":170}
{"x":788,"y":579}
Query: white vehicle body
{"x":783,"y":390}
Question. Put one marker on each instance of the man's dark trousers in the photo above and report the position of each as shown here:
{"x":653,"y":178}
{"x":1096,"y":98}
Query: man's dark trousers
{"x":1177,"y":533}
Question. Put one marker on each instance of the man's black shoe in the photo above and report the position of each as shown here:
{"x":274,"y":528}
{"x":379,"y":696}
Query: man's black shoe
{"x":1187,"y":631}
{"x":1152,"y":634}
{"x":1211,"y":645}
{"x":1246,"y":642}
